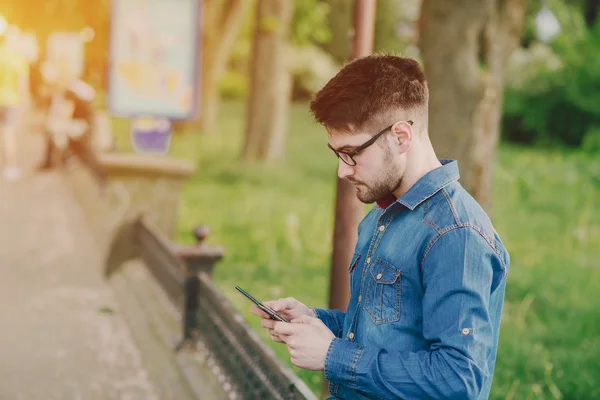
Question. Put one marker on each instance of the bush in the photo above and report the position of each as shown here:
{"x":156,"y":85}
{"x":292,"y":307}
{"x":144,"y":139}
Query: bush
{"x":553,"y":93}
{"x":591,"y":141}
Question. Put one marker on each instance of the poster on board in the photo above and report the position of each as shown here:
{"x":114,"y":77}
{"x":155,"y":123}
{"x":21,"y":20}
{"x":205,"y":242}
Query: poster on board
{"x":153,"y":68}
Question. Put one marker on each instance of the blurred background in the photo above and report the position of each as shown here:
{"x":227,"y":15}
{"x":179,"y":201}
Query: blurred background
{"x":224,"y":86}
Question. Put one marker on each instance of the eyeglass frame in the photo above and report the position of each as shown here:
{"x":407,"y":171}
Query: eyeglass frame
{"x":363,"y":146}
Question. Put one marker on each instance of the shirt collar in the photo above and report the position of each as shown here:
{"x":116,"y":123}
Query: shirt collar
{"x":429,"y":184}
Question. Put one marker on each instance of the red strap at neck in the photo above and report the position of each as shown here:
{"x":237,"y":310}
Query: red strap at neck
{"x":386,"y":201}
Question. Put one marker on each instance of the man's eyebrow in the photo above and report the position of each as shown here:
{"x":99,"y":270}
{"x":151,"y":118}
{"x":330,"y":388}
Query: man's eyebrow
{"x":344,"y":148}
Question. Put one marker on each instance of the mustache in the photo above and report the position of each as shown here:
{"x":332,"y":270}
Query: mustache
{"x":354,"y":182}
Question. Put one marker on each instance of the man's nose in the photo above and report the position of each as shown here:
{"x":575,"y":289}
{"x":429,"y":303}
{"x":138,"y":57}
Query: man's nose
{"x":344,"y":170}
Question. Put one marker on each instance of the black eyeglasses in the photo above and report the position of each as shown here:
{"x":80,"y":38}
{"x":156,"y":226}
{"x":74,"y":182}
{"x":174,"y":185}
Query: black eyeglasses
{"x":348,"y":158}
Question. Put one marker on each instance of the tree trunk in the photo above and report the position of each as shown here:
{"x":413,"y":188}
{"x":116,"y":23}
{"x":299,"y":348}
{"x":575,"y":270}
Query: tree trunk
{"x":222,"y":21}
{"x":270,"y":85}
{"x":465,"y":48}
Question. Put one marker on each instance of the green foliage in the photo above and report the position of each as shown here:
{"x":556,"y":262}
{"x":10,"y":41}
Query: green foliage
{"x":387,"y":18}
{"x":556,"y":99}
{"x":233,"y":85}
{"x":339,"y":22}
{"x":310,"y":67}
{"x":309,"y":25}
{"x":591,"y":142}
{"x":269,"y":24}
{"x":276,"y":226}
{"x":529,"y":30}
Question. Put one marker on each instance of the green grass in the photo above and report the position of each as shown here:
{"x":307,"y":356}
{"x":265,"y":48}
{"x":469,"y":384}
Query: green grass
{"x":276,"y":222}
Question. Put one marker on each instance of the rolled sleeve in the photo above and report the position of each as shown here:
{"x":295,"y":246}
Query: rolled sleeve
{"x":341,"y":361}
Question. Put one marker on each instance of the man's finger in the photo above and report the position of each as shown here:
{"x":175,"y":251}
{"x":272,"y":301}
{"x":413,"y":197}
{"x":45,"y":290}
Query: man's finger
{"x":267,"y":323}
{"x":275,"y":337}
{"x":275,"y":305}
{"x":281,"y":304}
{"x":283,"y":328}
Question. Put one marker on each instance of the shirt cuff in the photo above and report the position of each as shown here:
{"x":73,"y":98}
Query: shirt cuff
{"x":341,"y":361}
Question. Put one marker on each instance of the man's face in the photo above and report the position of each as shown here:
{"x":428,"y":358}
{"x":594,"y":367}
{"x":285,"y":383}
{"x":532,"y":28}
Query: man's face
{"x":378,"y":171}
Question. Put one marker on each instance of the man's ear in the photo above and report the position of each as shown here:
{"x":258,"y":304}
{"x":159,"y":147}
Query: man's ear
{"x":402,"y":134}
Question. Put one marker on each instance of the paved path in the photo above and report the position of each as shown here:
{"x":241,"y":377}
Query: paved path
{"x":61,"y":333}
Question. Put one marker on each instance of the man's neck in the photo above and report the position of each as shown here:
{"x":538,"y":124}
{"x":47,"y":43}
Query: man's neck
{"x":420,"y":161}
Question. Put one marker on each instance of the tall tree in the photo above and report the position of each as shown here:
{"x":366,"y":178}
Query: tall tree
{"x":465,"y":46}
{"x":222,"y":21}
{"x":270,"y":84}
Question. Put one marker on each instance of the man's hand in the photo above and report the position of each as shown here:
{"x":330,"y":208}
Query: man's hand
{"x":289,"y":308}
{"x":307,"y":339}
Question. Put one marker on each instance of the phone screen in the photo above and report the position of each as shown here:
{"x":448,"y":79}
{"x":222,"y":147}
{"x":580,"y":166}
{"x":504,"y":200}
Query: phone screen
{"x":260,"y":305}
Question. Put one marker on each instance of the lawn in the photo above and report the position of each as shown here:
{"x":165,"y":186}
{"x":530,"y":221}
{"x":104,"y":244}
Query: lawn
{"x":276,"y":222}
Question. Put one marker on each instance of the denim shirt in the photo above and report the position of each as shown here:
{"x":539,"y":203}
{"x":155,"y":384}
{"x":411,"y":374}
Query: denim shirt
{"x":427,"y":285}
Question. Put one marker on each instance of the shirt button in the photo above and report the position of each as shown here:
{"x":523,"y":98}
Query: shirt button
{"x":359,"y":298}
{"x":465,"y":331}
{"x":369,"y":260}
{"x":382,"y":228}
{"x":351,"y":336}
{"x":379,"y":276}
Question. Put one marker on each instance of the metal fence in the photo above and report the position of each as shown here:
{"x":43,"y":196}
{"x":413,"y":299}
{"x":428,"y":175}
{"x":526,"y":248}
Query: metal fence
{"x":242,"y":363}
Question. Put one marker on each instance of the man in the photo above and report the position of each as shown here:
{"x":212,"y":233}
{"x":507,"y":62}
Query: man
{"x":14,"y":71}
{"x":428,"y":274}
{"x":69,"y":120}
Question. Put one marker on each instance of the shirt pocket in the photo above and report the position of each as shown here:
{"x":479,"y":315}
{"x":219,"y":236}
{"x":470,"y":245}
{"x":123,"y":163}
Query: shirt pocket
{"x":382,"y":292}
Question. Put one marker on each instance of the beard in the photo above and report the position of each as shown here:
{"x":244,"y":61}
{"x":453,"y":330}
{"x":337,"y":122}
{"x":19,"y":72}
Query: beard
{"x":390,"y":179}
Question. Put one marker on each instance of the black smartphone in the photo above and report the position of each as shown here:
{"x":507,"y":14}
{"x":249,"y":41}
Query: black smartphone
{"x":260,"y":305}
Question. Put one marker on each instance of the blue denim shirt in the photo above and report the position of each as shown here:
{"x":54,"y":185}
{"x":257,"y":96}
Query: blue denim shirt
{"x":427,"y":287}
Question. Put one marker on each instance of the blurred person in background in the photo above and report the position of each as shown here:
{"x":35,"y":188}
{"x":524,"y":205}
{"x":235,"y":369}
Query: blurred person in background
{"x":14,"y":77}
{"x":69,"y":118}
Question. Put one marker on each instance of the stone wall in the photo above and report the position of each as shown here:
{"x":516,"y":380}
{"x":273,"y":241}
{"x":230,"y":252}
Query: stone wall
{"x":137,"y":185}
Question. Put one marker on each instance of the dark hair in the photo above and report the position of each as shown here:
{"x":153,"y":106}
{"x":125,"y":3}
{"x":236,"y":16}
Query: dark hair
{"x":368,"y":88}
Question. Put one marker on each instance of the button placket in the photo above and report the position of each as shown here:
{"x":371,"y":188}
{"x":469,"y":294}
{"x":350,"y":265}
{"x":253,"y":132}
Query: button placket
{"x":380,"y":227}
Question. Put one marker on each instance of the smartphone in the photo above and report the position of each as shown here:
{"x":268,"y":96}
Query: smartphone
{"x":260,"y":305}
